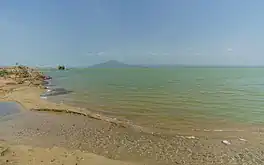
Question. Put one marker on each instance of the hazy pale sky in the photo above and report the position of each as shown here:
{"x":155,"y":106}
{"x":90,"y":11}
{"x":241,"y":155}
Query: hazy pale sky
{"x":85,"y":32}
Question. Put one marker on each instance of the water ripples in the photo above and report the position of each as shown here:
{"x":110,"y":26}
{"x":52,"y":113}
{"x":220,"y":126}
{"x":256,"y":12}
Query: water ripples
{"x":205,"y":93}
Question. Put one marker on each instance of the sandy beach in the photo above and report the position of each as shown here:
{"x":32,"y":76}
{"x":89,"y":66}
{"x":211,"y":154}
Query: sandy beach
{"x":28,"y":97}
{"x":45,"y":132}
{"x":23,"y":154}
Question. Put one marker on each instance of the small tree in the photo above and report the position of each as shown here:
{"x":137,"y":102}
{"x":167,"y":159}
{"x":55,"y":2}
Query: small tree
{"x":3,"y":73}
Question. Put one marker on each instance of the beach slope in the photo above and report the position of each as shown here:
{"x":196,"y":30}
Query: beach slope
{"x":23,"y":85}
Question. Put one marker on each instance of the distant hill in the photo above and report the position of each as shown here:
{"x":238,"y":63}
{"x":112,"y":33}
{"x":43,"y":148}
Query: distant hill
{"x":114,"y":64}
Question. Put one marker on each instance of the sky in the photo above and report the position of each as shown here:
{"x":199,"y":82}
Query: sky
{"x":86,"y":32}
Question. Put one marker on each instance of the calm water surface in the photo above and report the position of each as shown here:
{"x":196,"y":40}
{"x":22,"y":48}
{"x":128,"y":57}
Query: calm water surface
{"x":167,"y":96}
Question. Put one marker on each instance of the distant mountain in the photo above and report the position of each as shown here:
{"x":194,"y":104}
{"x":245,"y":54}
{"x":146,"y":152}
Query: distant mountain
{"x":114,"y":64}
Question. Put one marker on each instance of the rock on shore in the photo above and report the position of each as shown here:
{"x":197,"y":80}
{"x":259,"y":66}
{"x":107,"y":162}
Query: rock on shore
{"x":21,"y":75}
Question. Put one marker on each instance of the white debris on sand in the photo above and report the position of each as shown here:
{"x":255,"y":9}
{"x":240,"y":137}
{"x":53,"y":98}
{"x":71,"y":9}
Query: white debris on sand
{"x":226,"y":142}
{"x":241,"y":139}
{"x":190,"y":137}
{"x":44,"y":97}
{"x":218,"y":130}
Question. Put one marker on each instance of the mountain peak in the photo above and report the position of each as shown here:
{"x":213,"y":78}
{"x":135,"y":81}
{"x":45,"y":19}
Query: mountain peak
{"x":112,"y":64}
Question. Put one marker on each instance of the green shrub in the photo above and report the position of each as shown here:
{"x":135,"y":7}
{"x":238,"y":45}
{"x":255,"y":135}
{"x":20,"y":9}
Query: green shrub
{"x":3,"y":73}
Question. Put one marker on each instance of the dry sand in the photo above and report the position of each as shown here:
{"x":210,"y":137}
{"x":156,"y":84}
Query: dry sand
{"x":28,"y":155}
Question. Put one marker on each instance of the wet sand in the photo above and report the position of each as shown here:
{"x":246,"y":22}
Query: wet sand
{"x":121,"y":140}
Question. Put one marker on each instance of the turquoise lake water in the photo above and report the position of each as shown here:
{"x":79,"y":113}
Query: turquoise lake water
{"x":159,"y":95}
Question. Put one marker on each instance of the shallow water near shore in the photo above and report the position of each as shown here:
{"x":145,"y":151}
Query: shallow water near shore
{"x":168,"y":98}
{"x":9,"y":108}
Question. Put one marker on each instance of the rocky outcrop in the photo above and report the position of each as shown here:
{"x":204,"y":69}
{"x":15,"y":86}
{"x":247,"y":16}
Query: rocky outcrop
{"x":22,"y":75}
{"x":61,"y":67}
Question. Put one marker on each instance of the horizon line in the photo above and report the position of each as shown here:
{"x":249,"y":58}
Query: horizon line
{"x":165,"y":65}
{"x":148,"y":65}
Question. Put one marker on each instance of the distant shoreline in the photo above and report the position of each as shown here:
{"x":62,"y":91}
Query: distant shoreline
{"x":154,"y":67}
